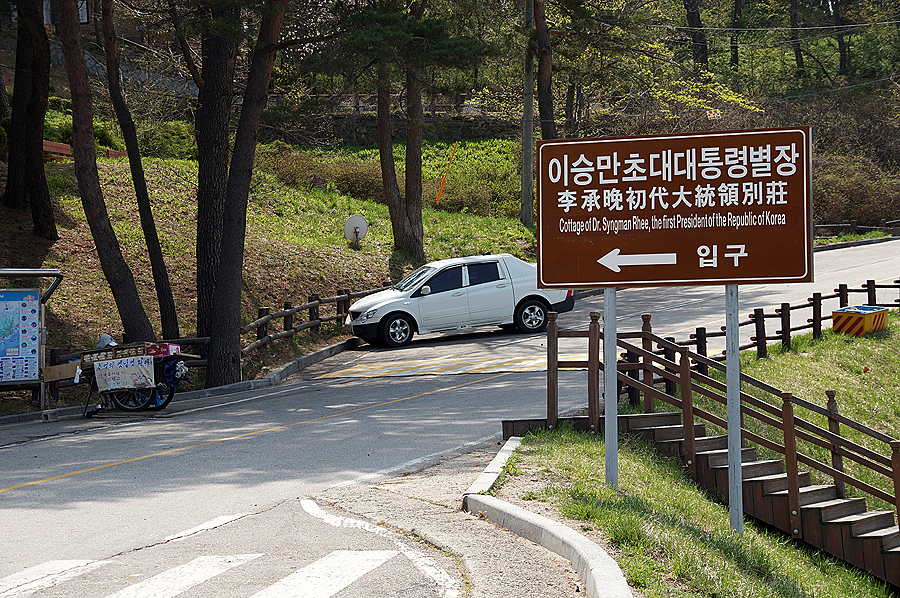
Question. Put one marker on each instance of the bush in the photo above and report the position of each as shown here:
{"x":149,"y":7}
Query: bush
{"x":853,"y":187}
{"x":173,"y":139}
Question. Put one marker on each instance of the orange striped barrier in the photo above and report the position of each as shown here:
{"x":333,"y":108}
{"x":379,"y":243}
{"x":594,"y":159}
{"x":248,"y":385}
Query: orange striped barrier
{"x":859,"y":320}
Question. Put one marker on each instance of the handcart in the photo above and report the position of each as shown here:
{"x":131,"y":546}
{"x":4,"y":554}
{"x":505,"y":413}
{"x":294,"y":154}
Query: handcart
{"x":134,"y":377}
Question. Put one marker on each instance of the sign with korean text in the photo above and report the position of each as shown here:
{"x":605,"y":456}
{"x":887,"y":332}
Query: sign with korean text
{"x":729,"y":207}
{"x":125,"y":372}
{"x":20,"y":334}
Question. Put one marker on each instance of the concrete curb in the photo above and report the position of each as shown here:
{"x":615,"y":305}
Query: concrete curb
{"x":271,"y":379}
{"x":600,"y":574}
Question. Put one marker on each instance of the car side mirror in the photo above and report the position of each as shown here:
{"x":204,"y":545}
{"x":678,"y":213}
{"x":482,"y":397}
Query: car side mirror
{"x":425,"y":290}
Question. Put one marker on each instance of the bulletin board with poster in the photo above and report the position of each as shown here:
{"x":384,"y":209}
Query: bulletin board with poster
{"x":21,"y":325}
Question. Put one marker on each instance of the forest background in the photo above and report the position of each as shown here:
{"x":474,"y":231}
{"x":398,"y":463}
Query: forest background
{"x":440,"y":71}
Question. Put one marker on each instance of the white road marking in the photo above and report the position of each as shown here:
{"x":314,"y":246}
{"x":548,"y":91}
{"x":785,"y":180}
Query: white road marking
{"x":329,"y":575}
{"x":214,"y":523}
{"x":427,"y":565}
{"x":45,"y":575}
{"x":179,"y":579}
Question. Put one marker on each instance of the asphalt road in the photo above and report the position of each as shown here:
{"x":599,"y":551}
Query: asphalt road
{"x":211,"y":493}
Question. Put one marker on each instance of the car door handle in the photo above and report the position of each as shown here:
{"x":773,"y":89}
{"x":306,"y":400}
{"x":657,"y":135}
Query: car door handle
{"x":503,"y":286}
{"x":459,"y":294}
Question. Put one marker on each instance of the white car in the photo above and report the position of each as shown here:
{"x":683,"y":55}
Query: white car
{"x":458,"y":293}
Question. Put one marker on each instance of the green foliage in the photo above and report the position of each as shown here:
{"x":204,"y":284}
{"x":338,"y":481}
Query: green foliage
{"x":58,"y":127}
{"x":171,"y":139}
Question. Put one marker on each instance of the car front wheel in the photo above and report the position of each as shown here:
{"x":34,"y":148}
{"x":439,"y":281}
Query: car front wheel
{"x":531,"y":316}
{"x":397,"y":330}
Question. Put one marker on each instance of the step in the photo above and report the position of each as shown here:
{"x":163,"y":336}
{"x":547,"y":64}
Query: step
{"x":674,"y":432}
{"x":888,"y":536}
{"x":778,"y":481}
{"x":628,"y":423}
{"x":810,"y":494}
{"x":710,"y":443}
{"x":719,"y":457}
{"x":834,"y":509}
{"x":867,"y":521}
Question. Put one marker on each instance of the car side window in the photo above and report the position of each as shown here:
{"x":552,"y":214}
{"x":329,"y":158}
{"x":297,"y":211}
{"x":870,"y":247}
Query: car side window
{"x":483,"y":273}
{"x":446,"y":280}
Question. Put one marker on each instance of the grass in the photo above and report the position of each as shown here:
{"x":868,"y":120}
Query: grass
{"x":670,"y":539}
{"x":847,"y":237}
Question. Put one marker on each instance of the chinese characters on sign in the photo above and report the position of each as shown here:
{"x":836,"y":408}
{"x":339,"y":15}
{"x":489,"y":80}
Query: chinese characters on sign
{"x":20,"y":331}
{"x":708,"y":208}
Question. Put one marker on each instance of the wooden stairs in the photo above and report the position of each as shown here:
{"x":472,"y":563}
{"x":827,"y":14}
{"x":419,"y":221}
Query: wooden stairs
{"x":842,"y":527}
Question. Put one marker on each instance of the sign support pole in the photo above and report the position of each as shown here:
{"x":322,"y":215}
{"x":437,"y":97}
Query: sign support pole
{"x":610,"y":388}
{"x":733,"y":397}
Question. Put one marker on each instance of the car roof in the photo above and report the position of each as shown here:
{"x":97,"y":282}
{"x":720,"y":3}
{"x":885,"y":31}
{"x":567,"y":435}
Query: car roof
{"x":469,"y":259}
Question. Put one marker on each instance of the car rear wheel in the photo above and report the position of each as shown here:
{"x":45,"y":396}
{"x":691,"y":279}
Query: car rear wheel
{"x":397,"y":330}
{"x":531,"y":316}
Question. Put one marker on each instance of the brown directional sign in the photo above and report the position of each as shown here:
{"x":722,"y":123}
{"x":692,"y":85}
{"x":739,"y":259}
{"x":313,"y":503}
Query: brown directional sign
{"x":728,"y":207}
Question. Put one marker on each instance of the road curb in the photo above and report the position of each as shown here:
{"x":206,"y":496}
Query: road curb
{"x":600,"y":574}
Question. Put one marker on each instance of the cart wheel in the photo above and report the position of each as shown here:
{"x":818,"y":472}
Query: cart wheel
{"x":133,"y":399}
{"x":161,"y":397}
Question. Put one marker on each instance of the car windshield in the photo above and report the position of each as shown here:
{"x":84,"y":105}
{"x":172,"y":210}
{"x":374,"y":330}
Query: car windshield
{"x":415,"y":278}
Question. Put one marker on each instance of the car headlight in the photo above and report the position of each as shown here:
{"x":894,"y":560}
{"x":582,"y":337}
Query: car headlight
{"x":366,"y":316}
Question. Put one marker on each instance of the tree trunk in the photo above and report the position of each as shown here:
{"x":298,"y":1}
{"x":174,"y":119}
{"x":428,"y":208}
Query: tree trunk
{"x":545,"y":75}
{"x":118,"y":274}
{"x":795,"y":43}
{"x":413,"y":193}
{"x":735,"y":25}
{"x":224,"y":357}
{"x":168,"y":315}
{"x":698,"y":35}
{"x":220,"y":52}
{"x":843,"y":64}
{"x":26,"y":179}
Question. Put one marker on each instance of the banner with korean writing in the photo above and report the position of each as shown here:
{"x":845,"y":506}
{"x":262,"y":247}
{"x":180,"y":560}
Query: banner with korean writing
{"x":20,"y":335}
{"x":728,"y":207}
{"x":125,"y":372}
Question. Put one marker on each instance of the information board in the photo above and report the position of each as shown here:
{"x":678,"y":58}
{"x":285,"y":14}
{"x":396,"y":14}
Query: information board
{"x":726,"y":207}
{"x":125,"y":372}
{"x":20,"y":334}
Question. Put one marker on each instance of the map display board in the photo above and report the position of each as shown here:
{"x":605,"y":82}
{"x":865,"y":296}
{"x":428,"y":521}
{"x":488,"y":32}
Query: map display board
{"x":726,"y":207}
{"x":20,"y":335}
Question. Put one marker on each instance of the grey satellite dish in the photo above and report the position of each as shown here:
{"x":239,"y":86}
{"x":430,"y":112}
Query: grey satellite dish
{"x":355,"y":229}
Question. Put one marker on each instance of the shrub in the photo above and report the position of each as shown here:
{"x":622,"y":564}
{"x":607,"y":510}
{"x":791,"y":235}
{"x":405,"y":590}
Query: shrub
{"x":853,"y":187}
{"x":173,"y":139}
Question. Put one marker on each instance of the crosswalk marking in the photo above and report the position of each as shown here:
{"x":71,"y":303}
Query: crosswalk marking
{"x":461,"y":365}
{"x":43,"y":576}
{"x":179,"y":579}
{"x":329,"y":575}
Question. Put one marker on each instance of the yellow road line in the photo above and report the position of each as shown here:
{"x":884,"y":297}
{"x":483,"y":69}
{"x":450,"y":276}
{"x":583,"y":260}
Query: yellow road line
{"x":245,"y":435}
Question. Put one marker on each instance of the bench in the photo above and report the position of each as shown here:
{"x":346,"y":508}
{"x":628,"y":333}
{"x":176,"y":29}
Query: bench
{"x":56,"y":152}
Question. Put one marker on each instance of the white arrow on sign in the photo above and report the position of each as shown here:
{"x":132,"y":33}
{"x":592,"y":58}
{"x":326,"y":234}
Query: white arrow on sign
{"x":613,"y":260}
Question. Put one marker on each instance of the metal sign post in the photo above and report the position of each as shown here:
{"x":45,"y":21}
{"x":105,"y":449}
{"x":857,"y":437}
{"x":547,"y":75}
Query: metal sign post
{"x":733,"y":401}
{"x":610,"y":388}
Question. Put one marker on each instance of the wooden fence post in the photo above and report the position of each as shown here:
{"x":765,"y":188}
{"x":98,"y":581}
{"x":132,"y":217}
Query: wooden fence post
{"x":687,"y":417}
{"x":834,"y":426}
{"x":895,"y":467}
{"x":870,"y":293}
{"x":634,"y":395}
{"x":647,"y":345}
{"x":817,"y":315}
{"x":700,"y":335}
{"x":594,"y":372}
{"x":314,"y":311}
{"x":263,"y":329}
{"x":759,"y":320}
{"x":288,"y":319}
{"x":844,"y":295}
{"x":786,"y":326}
{"x":669,"y":354}
{"x":790,"y":463}
{"x":552,"y":369}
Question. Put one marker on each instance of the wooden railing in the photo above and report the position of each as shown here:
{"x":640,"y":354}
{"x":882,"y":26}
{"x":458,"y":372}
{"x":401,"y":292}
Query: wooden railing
{"x":769,"y":415}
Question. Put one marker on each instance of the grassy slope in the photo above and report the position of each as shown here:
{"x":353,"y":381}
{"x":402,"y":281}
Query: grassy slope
{"x":295,"y":247}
